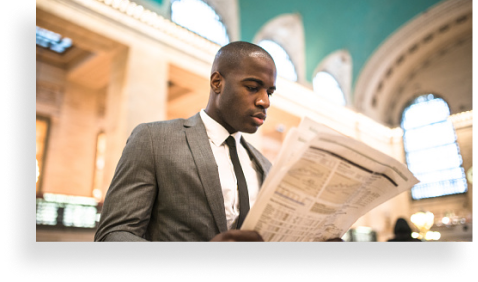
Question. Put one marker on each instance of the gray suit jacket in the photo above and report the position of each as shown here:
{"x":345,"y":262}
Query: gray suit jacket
{"x":166,"y":186}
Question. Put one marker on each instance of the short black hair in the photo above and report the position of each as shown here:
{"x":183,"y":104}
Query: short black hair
{"x":232,"y":54}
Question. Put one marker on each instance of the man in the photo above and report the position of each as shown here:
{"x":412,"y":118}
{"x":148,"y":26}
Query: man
{"x":176,"y":180}
{"x":403,"y":232}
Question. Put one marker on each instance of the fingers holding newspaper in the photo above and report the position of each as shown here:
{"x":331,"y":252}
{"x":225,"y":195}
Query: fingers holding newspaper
{"x":238,"y":236}
{"x":336,"y":239}
{"x":248,"y":236}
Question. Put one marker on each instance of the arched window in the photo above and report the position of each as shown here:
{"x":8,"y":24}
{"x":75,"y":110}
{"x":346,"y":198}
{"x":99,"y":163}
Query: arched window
{"x":285,"y":67}
{"x":327,"y":86}
{"x":287,"y":30}
{"x":200,"y":18}
{"x":432,"y":153}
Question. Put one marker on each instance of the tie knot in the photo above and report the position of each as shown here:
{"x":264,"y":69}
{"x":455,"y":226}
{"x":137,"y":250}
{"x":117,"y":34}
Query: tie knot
{"x":231,"y":142}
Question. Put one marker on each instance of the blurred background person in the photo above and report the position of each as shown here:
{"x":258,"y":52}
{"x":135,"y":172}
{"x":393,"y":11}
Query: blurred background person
{"x":403,"y":232}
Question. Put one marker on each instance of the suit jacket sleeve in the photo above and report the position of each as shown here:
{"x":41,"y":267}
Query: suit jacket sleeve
{"x":130,"y":197}
{"x":166,"y":186}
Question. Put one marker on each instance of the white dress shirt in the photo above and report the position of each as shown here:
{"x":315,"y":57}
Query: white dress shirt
{"x":217,"y":136}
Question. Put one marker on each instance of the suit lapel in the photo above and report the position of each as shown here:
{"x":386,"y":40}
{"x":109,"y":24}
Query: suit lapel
{"x":198,"y":142}
{"x":258,"y":160}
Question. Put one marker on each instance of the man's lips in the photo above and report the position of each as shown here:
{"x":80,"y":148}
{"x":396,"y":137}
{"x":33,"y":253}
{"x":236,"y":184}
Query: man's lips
{"x":259,"y":118}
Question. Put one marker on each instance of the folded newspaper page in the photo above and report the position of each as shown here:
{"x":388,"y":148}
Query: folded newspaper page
{"x":321,"y":183}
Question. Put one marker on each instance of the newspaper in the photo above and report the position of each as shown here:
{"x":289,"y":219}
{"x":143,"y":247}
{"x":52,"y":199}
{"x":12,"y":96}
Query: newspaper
{"x":321,"y":183}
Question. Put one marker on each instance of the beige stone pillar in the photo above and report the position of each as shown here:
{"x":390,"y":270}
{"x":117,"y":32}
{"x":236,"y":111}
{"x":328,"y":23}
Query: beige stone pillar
{"x":145,"y":87}
{"x":137,"y":93}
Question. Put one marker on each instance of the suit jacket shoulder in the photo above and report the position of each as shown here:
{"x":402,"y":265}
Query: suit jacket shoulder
{"x":166,"y":186}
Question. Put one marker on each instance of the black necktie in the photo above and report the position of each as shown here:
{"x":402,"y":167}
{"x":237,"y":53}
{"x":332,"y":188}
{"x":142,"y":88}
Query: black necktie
{"x":241,"y":182}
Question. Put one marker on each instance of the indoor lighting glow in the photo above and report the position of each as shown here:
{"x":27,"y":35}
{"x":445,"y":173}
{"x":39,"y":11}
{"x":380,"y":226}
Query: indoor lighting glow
{"x":363,"y":229}
{"x":123,"y":7}
{"x":99,"y":166}
{"x":462,"y":118}
{"x":47,"y":213}
{"x":445,"y":220}
{"x":38,"y":171}
{"x":97,"y":194}
{"x":469,"y":175}
{"x":41,"y":136}
{"x":74,"y":211}
{"x":66,"y":199}
{"x":79,"y":216}
{"x":423,"y":221}
{"x":432,"y":235}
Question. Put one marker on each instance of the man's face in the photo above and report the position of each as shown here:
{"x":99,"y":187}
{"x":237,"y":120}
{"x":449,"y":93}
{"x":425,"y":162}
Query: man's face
{"x":244,"y":98}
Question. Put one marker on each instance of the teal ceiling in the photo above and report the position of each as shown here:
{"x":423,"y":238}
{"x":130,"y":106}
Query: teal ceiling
{"x":358,"y":26}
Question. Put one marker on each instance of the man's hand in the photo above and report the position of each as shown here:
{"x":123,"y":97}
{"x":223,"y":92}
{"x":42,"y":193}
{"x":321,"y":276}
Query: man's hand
{"x":248,"y":236}
{"x":238,"y":236}
{"x":336,"y":239}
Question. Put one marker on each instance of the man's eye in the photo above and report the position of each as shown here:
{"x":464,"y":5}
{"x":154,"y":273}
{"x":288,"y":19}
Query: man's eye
{"x":252,"y":88}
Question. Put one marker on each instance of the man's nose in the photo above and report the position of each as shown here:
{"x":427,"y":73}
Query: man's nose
{"x":263,"y":100}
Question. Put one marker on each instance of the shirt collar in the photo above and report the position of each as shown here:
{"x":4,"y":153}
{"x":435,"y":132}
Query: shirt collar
{"x":215,"y":131}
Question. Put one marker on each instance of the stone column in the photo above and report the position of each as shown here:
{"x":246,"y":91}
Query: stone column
{"x":137,"y":93}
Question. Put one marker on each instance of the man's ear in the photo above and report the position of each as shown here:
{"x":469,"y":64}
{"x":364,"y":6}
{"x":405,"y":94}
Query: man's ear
{"x":216,"y":82}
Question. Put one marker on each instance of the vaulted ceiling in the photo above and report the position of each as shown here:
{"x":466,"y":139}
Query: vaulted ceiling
{"x":329,"y":25}
{"x":379,"y":36}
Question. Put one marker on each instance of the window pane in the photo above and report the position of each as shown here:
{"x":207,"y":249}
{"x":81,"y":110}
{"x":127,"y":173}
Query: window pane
{"x":328,"y":87}
{"x":52,"y":40}
{"x":442,"y":188}
{"x":285,"y":67}
{"x":429,"y":136}
{"x":436,"y":158}
{"x":431,"y":151}
{"x":441,"y":175}
{"x":200,"y":18}
{"x":425,"y":110}
{"x":41,"y":134}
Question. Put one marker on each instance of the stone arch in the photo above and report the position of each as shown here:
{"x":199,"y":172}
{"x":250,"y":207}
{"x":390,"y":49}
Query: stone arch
{"x":288,"y":31}
{"x":431,"y":53}
{"x":339,"y":65}
{"x":229,"y":13}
